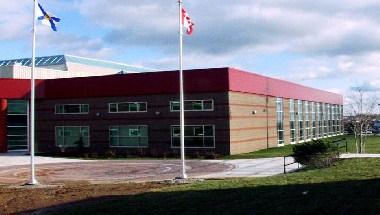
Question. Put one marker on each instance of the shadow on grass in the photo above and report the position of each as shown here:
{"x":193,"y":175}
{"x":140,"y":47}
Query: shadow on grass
{"x":346,"y":197}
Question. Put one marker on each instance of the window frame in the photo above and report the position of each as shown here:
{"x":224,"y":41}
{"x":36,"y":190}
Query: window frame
{"x":292,"y":118}
{"x":280,"y":115}
{"x":71,"y":146}
{"x":137,"y":147}
{"x":56,"y":108}
{"x":193,"y":100}
{"x":117,"y":107}
{"x":177,"y":147}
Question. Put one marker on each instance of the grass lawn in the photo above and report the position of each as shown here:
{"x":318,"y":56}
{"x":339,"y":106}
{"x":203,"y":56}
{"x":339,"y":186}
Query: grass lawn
{"x":372,"y":146}
{"x":352,"y":186}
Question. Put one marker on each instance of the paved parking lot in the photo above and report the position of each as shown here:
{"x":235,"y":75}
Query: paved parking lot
{"x":14,"y":169}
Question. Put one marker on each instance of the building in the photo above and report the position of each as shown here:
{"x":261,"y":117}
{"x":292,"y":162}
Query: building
{"x":64,"y":66}
{"x":227,"y":111}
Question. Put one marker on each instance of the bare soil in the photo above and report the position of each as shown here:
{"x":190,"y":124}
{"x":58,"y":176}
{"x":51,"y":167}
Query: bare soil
{"x":29,"y":199}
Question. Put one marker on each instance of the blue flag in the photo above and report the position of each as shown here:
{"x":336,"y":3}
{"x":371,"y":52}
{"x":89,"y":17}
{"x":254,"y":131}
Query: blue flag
{"x":47,"y":19}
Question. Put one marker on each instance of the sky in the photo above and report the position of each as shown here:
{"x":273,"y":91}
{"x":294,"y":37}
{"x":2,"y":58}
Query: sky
{"x":332,"y":45}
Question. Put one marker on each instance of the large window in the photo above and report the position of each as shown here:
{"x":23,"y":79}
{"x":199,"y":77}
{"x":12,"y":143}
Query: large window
{"x":307,"y":120}
{"x":334,"y":117}
{"x":280,"y":121}
{"x":300,"y":121}
{"x":129,"y":136}
{"x":127,"y":107}
{"x":293,"y":133}
{"x":319,"y":119}
{"x":330,"y":119}
{"x":71,"y":109}
{"x":313,"y":122}
{"x":196,"y":136}
{"x":17,"y":125}
{"x":193,"y":105}
{"x":325,"y":120}
{"x":341,"y":119}
{"x":72,"y":136}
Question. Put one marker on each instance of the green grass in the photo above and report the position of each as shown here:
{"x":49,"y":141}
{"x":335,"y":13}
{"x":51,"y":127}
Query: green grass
{"x":264,"y":153}
{"x":372,"y":146}
{"x":352,"y":186}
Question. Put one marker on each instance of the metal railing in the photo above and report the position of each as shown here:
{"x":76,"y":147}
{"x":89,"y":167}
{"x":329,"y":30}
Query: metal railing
{"x":338,"y":143}
{"x":288,"y":164}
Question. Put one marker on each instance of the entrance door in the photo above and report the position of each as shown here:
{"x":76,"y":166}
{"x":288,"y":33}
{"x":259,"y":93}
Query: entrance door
{"x":17,"y":124}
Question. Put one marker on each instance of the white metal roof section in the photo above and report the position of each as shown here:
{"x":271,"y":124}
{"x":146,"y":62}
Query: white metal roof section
{"x":106,"y":64}
{"x":51,"y":61}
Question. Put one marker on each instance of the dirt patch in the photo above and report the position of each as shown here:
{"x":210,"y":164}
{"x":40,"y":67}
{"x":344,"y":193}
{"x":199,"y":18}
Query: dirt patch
{"x":25,"y":199}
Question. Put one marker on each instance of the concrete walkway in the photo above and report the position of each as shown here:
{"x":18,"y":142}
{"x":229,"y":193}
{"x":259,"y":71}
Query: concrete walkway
{"x":261,"y":167}
{"x":236,"y":168}
{"x":350,"y":155}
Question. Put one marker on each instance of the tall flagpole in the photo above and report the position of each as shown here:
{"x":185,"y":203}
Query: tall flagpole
{"x":182,"y":112}
{"x":33,"y":180}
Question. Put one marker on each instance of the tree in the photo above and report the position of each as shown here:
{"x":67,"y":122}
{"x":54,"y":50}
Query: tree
{"x":361,"y":109}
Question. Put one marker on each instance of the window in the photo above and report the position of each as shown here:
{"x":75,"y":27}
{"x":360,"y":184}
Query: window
{"x":341,"y":120}
{"x":193,"y":105}
{"x":325,"y":115}
{"x":129,"y":136}
{"x":319,"y":116}
{"x":72,"y":136}
{"x":196,"y":136}
{"x":17,"y":125}
{"x":313,"y":123}
{"x":16,"y":107}
{"x":300,"y":121}
{"x":330,"y":119}
{"x":280,"y":121}
{"x":307,"y":122}
{"x":127,"y":107}
{"x":71,"y":109}
{"x":293,"y":133}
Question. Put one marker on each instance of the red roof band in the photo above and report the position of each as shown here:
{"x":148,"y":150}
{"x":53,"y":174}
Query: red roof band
{"x":165,"y":82}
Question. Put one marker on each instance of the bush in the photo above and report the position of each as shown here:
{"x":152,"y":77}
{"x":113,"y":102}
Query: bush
{"x":316,"y":153}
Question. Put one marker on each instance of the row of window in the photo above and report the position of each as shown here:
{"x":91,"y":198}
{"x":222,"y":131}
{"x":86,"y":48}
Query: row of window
{"x":136,"y":136}
{"x":315,"y":120}
{"x":132,"y":107}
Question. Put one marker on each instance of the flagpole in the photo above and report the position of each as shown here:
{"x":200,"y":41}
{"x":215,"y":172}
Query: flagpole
{"x":33,"y":180}
{"x":181,"y":95}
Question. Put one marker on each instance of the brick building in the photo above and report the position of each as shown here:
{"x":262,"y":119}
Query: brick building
{"x":227,"y":111}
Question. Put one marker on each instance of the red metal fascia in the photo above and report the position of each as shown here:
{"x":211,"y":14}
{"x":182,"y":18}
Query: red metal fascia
{"x":167,"y":82}
{"x":242,"y":81}
{"x":19,"y":88}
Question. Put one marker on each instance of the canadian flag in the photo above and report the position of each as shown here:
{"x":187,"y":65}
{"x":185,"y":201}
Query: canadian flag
{"x":187,"y":23}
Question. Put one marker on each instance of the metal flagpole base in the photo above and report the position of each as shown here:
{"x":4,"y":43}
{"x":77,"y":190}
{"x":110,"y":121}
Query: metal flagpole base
{"x":181,"y":177}
{"x":32,"y":182}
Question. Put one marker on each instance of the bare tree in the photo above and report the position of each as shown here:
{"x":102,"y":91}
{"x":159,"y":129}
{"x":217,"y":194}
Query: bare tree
{"x":361,"y":109}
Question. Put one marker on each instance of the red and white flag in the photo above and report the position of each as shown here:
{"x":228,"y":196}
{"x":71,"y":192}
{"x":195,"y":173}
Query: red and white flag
{"x":186,"y":21}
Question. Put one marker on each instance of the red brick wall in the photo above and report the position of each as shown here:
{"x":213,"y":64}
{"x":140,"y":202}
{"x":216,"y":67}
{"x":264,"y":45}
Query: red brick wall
{"x":3,"y":125}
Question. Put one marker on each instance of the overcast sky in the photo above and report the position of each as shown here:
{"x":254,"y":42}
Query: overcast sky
{"x":328,"y":44}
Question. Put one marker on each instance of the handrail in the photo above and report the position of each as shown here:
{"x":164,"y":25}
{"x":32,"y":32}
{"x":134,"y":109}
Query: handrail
{"x":288,"y":164}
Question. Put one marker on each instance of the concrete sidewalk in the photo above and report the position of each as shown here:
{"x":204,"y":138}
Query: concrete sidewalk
{"x":260,"y":167}
{"x":237,"y":168}
{"x":354,"y":155}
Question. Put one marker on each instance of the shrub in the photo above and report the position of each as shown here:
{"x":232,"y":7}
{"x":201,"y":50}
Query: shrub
{"x":316,"y":153}
{"x":110,"y":154}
